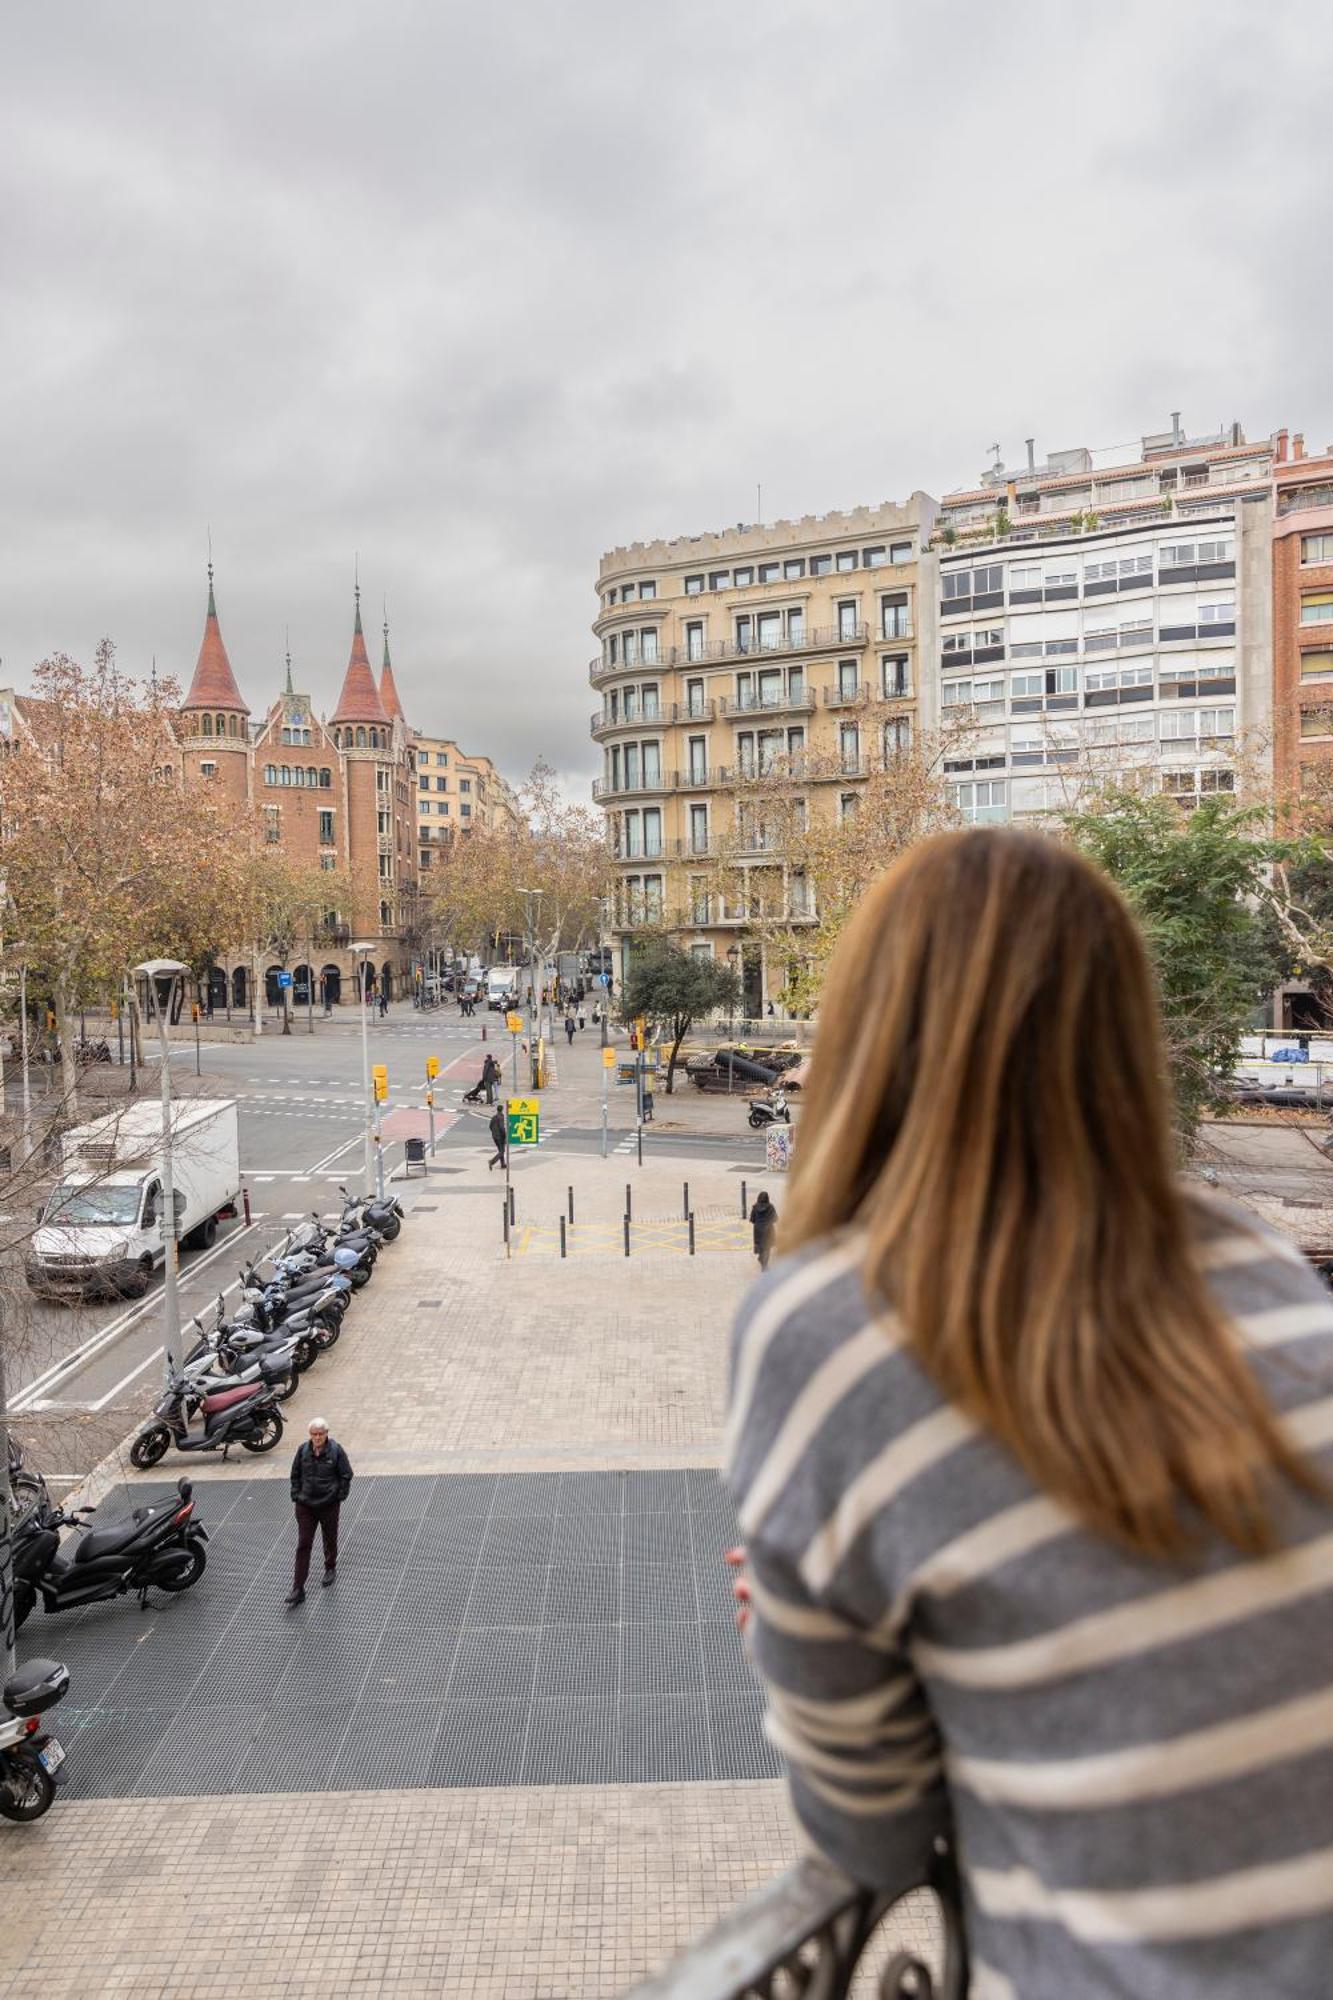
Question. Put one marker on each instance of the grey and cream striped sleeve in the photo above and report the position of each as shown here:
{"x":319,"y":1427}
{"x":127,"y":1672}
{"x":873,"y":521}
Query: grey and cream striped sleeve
{"x":1135,"y":1758}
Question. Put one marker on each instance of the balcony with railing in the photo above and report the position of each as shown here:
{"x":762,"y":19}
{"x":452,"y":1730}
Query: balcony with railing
{"x":666,"y":714}
{"x":741,"y":708}
{"x":857,"y":695}
{"x":625,"y":785}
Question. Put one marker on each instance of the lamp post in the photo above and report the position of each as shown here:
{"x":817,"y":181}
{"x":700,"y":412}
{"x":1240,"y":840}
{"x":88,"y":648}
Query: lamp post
{"x":19,"y":950}
{"x":374,"y":1155}
{"x":170,"y":970}
{"x":531,"y":896}
{"x":734,"y":956}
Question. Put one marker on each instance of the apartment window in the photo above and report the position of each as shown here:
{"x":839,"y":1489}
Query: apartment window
{"x":386,"y":915}
{"x":718,"y":579}
{"x":895,"y":622}
{"x":626,"y":593}
{"x":633,"y":835}
{"x":466,"y":811}
{"x":206,"y":770}
{"x":381,"y":779}
{"x":770,"y":572}
{"x":326,"y":829}
{"x":848,"y":623}
{"x":989,"y":578}
{"x":652,"y":898}
{"x":648,"y":646}
{"x":694,"y":698}
{"x":647,"y":591}
{"x":1024,"y":576}
{"x":741,"y":579}
{"x":702,"y":952}
{"x":630,"y":649}
{"x":1217,"y":724}
{"x":328,"y":862}
{"x":325,"y":778}
{"x":1313,"y":664}
{"x":443,"y":806}
{"x":1316,"y":608}
{"x":698,"y":829}
{"x":793,"y":568}
{"x":874,"y":558}
{"x":1317,"y":548}
{"x":768,"y":631}
{"x":442,"y":757}
{"x":652,"y":832}
{"x":796,"y":626}
{"x":980,"y":801}
{"x":846,"y":560}
{"x":895,"y":673}
{"x":956,"y":583}
{"x":382,"y":821}
{"x":985,"y":698}
{"x":1223,"y":611}
{"x":465,"y":784}
{"x":698,"y":901}
{"x":612,"y":650}
{"x":897,"y":736}
{"x":698,"y":760}
{"x":270,"y":774}
{"x":441,"y":784}
{"x":849,"y":746}
{"x":901,"y":552}
{"x":423,"y":784}
{"x":1316,"y":722}
{"x":694,"y":586}
{"x":820,"y":565}
{"x":848,"y":802}
{"x":648,"y":701}
{"x":694,"y":639}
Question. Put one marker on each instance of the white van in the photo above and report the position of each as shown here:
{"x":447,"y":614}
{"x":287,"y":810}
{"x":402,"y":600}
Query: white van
{"x":501,"y":987}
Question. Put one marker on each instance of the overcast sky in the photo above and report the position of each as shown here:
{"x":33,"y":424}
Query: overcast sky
{"x":481,"y":293}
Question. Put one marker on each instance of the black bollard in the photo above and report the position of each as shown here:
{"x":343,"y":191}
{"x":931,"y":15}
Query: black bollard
{"x":691,"y":1232}
{"x":570,"y":1192}
{"x":511,"y":1201}
{"x":745,"y":1206}
{"x":627,"y":1236}
{"x":506,"y":1221}
{"x":629,"y":1200}
{"x":685,"y":1205}
{"x":640,"y":1145}
{"x":563,"y":1251}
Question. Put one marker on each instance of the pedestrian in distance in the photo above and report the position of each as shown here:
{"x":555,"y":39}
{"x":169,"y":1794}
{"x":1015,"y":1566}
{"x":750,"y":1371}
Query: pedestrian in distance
{"x":763,"y":1221}
{"x":569,"y":1029}
{"x":499,"y":1132}
{"x":384,"y":1005}
{"x":490,"y":1077}
{"x":321,"y":1479}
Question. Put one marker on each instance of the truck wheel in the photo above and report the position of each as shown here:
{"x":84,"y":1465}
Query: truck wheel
{"x":140,"y":1279}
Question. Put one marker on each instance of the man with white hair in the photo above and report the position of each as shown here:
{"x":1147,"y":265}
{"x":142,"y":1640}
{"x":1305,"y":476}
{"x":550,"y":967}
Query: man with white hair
{"x":321,"y":1477}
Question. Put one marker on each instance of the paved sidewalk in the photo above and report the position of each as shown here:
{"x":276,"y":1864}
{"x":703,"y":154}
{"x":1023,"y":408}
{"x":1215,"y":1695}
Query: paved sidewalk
{"x":456,"y":1359}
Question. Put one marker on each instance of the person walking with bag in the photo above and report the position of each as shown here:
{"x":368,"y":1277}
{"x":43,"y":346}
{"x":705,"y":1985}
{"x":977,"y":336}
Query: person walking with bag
{"x":764,"y":1221}
{"x":321,"y":1479}
{"x":499,"y":1132}
{"x":1031,"y":1444}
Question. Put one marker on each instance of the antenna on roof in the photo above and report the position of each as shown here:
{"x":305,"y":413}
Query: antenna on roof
{"x":999,"y":462}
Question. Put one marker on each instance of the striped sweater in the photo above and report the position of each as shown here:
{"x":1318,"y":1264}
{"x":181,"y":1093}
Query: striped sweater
{"x":1134,"y":1759}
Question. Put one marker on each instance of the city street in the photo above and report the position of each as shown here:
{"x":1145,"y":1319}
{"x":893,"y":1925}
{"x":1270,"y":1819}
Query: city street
{"x":302,"y":1133}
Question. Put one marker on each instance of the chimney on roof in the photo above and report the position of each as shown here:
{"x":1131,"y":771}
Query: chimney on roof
{"x":1176,"y":437}
{"x":1032,"y":461}
{"x":1280,"y":446}
{"x":1298,"y":445}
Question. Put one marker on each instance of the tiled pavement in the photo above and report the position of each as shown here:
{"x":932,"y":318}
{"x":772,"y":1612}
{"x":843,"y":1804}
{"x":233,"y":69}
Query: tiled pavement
{"x":572,"y":1876}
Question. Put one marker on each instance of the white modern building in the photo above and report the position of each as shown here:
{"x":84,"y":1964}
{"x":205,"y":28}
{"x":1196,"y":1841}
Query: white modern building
{"x":1107,"y":622}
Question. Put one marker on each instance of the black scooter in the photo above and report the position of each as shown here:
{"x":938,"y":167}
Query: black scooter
{"x":157,"y":1548}
{"x":247,"y":1417}
{"x":30,"y":1759}
{"x":386,"y":1217}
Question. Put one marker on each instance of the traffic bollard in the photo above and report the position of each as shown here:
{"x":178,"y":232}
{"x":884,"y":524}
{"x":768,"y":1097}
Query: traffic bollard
{"x":506,"y":1222}
{"x":627,"y":1236}
{"x":691,"y":1232}
{"x":745,"y":1206}
{"x":640,"y":1145}
{"x":563,"y":1251}
{"x":570,"y":1193}
{"x":245,"y":1197}
{"x":685,"y":1204}
{"x":483,"y":1031}
{"x":629,"y":1200}
{"x":511,"y":1203}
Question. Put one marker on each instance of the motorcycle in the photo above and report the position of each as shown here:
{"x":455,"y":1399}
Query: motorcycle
{"x":30,"y":1759}
{"x":770,"y":1110}
{"x":157,"y":1548}
{"x":386,"y":1216}
{"x":234,"y":1357}
{"x":249,"y":1417}
{"x":26,"y":1489}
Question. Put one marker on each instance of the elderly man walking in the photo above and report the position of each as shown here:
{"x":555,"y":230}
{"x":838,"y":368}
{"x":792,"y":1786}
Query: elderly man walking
{"x":321,"y":1478}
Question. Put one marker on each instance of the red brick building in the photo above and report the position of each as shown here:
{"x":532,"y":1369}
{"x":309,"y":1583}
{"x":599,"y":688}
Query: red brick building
{"x":338,"y":795}
{"x":1303,"y":622}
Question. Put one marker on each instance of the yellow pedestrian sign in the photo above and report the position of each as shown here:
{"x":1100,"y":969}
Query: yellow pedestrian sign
{"x":524,"y":1120}
{"x":380,"y":1079}
{"x":514,"y":1023}
{"x":432,"y":1067}
{"x":609,"y":1058}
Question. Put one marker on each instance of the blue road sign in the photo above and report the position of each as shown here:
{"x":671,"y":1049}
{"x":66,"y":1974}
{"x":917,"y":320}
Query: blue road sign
{"x":603,"y":979}
{"x":284,"y":979}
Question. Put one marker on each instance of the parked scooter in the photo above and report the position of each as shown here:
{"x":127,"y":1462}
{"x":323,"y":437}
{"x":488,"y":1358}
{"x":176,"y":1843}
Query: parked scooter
{"x":386,"y":1216}
{"x":770,"y":1110}
{"x":235,"y":1357}
{"x":30,"y":1758}
{"x":157,"y":1548}
{"x":247,"y":1417}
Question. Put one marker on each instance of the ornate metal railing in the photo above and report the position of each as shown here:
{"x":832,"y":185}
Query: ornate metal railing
{"x":804,"y":1936}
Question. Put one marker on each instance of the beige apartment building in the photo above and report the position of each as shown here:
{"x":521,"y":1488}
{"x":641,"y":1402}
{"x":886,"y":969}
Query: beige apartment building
{"x":791,"y":647}
{"x":457,"y":794}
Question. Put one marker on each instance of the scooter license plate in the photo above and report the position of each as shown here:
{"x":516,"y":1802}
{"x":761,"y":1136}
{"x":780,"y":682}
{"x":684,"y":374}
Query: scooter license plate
{"x":52,"y":1757}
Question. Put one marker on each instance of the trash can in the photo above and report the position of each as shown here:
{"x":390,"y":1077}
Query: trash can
{"x":414,"y":1155}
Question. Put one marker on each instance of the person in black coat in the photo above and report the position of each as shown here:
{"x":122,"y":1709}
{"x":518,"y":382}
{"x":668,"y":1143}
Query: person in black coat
{"x":763,"y":1220}
{"x":499,"y":1131}
{"x":321,"y":1478}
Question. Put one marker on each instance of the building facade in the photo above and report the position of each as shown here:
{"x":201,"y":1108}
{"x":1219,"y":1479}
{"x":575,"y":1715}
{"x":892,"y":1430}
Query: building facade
{"x":456,"y":795}
{"x":1109,"y":623}
{"x":1303,"y":625}
{"x":792,"y":645}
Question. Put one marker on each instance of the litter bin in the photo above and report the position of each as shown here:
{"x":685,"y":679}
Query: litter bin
{"x":414,"y":1155}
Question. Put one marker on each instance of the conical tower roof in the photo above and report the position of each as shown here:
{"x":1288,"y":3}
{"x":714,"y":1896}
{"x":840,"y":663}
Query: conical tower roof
{"x":393,"y":708}
{"x":214,"y":683}
{"x":359,"y":700}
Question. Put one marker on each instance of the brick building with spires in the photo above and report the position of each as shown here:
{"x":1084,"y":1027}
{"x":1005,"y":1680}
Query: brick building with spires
{"x":337,"y":794}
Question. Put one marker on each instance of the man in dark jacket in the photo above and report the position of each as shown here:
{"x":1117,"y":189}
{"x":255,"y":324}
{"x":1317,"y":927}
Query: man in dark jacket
{"x":764,"y":1221}
{"x":321,"y":1477}
{"x":490,"y":1076}
{"x":499,"y":1131}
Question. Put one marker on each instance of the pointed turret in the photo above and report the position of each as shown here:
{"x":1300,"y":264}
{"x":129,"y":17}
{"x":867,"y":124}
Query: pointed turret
{"x":214,"y":684}
{"x":359,"y":700}
{"x":393,"y":708}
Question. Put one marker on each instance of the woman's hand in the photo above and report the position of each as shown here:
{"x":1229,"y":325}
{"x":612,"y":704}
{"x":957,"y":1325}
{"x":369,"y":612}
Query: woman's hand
{"x":740,"y":1589}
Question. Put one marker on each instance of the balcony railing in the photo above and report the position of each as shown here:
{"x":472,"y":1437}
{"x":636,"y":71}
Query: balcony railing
{"x":733,"y":709}
{"x":807,"y":1932}
{"x":668,"y":713}
{"x":627,"y":787}
{"x":818,"y":639}
{"x":856,"y":696}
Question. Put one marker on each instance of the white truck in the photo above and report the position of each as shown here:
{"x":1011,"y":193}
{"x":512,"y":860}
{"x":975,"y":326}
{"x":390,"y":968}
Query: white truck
{"x":501,"y":987}
{"x":100,"y":1229}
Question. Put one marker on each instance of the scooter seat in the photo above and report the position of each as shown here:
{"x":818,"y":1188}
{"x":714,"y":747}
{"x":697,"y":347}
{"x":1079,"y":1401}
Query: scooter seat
{"x":227,"y":1399}
{"x":107,"y":1541}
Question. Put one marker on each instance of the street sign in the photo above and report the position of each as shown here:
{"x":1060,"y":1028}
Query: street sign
{"x":380,"y":1080}
{"x":284,"y":979}
{"x":603,"y":979}
{"x":524,"y":1120}
{"x":432,"y":1066}
{"x":609,"y":1058}
{"x":515,"y":1023}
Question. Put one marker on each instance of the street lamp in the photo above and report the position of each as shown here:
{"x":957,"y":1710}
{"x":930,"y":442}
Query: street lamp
{"x":374,"y":1155}
{"x":17,"y":949}
{"x":170,"y":970}
{"x":531,"y":896}
{"x":734,"y":957}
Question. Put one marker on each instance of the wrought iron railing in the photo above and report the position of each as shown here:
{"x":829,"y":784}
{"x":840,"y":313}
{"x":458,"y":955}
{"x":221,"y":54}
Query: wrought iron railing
{"x":806,"y":1933}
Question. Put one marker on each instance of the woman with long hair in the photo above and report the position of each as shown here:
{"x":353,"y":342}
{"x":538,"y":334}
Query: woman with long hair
{"x":1031,"y":1443}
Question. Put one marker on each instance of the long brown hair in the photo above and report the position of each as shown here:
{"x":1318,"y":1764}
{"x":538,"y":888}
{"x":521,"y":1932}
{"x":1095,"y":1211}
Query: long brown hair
{"x":988,"y":1104}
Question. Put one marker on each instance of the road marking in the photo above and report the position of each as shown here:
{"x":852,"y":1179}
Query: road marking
{"x":125,"y":1381}
{"x":329,"y":1158}
{"x":93,"y":1346}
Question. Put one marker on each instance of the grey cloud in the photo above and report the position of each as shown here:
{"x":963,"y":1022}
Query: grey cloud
{"x":481,"y":293}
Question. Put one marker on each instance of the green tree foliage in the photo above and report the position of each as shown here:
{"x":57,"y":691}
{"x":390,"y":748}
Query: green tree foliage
{"x":1197,"y":881}
{"x":672,"y":990}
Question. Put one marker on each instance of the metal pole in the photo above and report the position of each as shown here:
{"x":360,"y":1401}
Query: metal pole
{"x":514,"y":1040}
{"x":27,"y":1085}
{"x":430,"y":1112}
{"x":309,"y":985}
{"x":685,"y":1210}
{"x":745,"y":1206}
{"x":563,"y":1251}
{"x":639,"y":1137}
{"x":198,"y":1070}
{"x":629,"y":1199}
{"x":570,"y":1193}
{"x":120,"y":1036}
{"x":627,"y":1236}
{"x":690,"y":1219}
{"x":605,"y":1080}
{"x":171,"y":1298}
{"x":365,"y":1078}
{"x":6,"y":1526}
